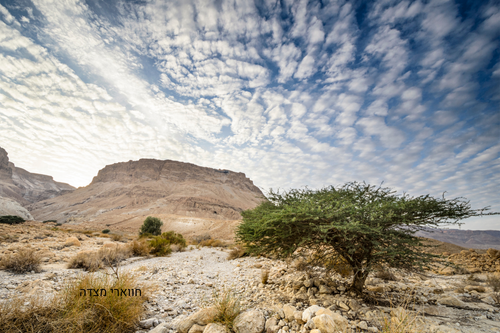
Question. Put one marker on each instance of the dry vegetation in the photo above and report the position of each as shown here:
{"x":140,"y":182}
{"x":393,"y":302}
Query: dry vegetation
{"x":70,"y":311}
{"x":94,"y":260}
{"x":227,"y":305}
{"x":236,"y":252}
{"x":23,"y":261}
{"x":493,"y":281}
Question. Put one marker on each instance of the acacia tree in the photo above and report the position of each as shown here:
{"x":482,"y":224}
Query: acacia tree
{"x":359,"y":224}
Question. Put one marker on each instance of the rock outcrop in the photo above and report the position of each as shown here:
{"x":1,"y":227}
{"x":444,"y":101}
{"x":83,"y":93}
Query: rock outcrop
{"x":132,"y":190}
{"x":26,"y":187}
{"x":12,"y":207}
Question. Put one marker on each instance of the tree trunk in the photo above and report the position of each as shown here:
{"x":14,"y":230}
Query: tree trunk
{"x":358,"y":281}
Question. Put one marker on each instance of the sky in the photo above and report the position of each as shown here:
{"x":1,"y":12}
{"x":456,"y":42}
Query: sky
{"x":292,"y":93}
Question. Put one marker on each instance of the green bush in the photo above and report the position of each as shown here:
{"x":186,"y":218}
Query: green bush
{"x":106,"y":231}
{"x":11,"y":219}
{"x":47,"y":221}
{"x":174,"y":238}
{"x":151,"y":225}
{"x":160,"y":246}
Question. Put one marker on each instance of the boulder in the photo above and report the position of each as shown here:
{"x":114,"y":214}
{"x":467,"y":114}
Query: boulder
{"x":252,"y":321}
{"x":12,"y":207}
{"x":214,"y":328}
{"x":309,"y":313}
{"x":479,"y":289}
{"x":201,"y":317}
{"x":447,"y":271}
{"x":161,"y":328}
{"x":72,"y":241}
{"x":297,"y":315}
{"x":375,"y":289}
{"x":289,"y":311}
{"x":328,"y":324}
{"x":148,"y":323}
{"x":452,"y":301}
{"x":196,"y":329}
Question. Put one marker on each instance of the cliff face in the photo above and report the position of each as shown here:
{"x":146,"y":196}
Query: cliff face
{"x":26,"y":187}
{"x":123,"y":191}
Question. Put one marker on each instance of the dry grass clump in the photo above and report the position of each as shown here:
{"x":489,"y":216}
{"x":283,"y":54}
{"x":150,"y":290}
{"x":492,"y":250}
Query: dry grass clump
{"x":139,"y":248}
{"x":384,"y":274}
{"x":116,"y":237}
{"x":227,"y":305}
{"x":493,"y":281}
{"x":71,"y":311}
{"x":236,"y":252}
{"x":94,"y":260}
{"x":264,"y":276}
{"x":402,"y":321}
{"x":23,"y":261}
{"x":473,"y":280}
{"x":212,"y":243}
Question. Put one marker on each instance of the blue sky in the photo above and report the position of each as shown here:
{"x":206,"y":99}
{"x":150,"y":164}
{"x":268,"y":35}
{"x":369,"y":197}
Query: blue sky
{"x":291,"y":93}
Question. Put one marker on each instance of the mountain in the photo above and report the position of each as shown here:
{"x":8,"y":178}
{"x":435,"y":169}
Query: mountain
{"x":123,"y":194}
{"x":26,"y":187}
{"x":475,"y":239}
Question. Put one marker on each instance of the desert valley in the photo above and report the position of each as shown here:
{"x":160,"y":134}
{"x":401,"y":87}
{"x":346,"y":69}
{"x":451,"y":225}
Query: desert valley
{"x":67,"y":226}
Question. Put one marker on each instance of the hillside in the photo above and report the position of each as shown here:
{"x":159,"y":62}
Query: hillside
{"x":476,"y":239}
{"x":123,"y":194}
{"x":26,"y":187}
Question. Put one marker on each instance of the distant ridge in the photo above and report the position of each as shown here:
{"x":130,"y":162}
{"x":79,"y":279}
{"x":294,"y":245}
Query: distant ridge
{"x":476,"y":239}
{"x":134,"y":189}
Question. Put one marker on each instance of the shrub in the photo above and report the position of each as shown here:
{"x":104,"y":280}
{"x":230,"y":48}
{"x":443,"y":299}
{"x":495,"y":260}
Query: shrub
{"x":236,"y":252}
{"x":199,"y":238}
{"x":106,"y":231}
{"x":227,"y":305}
{"x":174,"y":238}
{"x":69,"y":311}
{"x":493,"y":281}
{"x":212,"y":243}
{"x":139,"y":248}
{"x":11,"y":219}
{"x":25,"y":260}
{"x":47,"y":221}
{"x":89,"y":261}
{"x":116,"y":237}
{"x":264,"y":276}
{"x":94,"y":260}
{"x":160,"y":246}
{"x":151,"y":225}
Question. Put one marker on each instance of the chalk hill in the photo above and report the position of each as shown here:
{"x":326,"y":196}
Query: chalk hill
{"x":475,"y":239}
{"x":26,"y":187}
{"x":123,"y":194}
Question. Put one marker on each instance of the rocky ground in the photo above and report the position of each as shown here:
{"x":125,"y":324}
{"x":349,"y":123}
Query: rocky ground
{"x":291,"y":301}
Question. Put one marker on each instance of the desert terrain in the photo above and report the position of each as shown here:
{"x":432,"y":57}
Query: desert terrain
{"x":293,"y":299}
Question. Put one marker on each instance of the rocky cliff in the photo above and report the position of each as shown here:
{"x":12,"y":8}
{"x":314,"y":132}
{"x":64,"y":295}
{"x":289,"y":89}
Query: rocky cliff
{"x":26,"y":187}
{"x":132,"y":190}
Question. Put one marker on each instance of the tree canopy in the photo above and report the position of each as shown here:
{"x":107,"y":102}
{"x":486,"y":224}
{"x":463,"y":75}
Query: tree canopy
{"x":357,"y":223}
{"x":152,"y":225}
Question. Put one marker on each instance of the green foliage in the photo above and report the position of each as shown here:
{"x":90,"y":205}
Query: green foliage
{"x":106,"y":231}
{"x":11,"y":219}
{"x":160,"y":246}
{"x":357,"y":223}
{"x":151,"y":225}
{"x":174,"y":238}
{"x":47,"y":221}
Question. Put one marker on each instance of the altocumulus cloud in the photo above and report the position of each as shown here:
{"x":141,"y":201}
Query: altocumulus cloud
{"x":292,"y":93}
